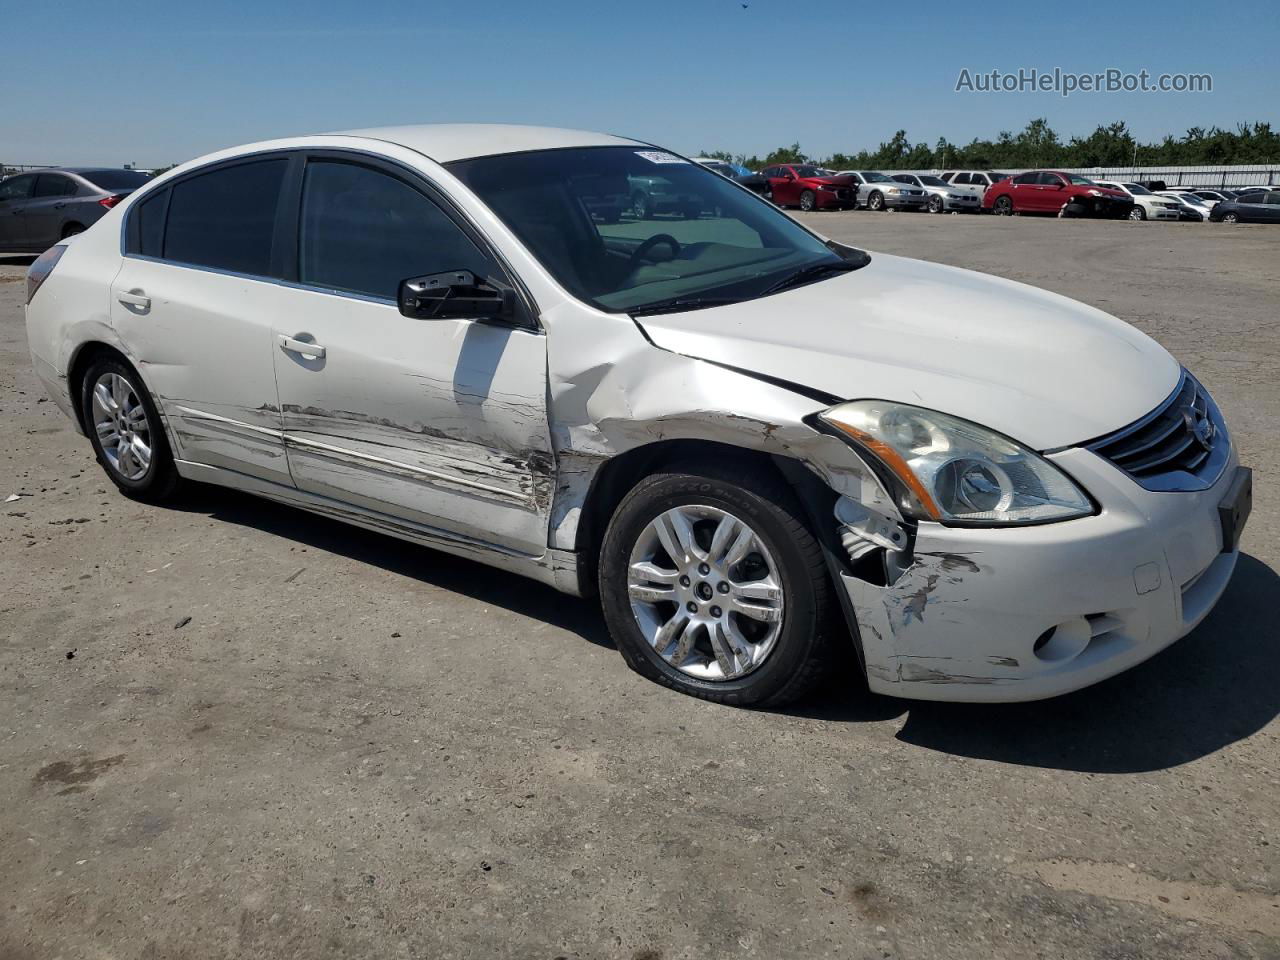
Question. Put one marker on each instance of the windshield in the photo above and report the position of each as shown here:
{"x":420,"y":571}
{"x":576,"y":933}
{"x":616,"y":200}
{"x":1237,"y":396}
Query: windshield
{"x":622,"y":228}
{"x":873,"y":177}
{"x":1080,"y":181}
{"x":1138,"y":190}
{"x":807,"y":171}
{"x":932,"y":182}
{"x":721,"y":168}
{"x":116,"y":179}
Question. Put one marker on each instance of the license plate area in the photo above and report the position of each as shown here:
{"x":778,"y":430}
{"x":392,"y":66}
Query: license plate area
{"x":1235,"y":507}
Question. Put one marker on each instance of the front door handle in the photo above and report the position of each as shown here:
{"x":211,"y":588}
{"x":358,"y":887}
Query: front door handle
{"x":134,"y":298}
{"x":310,"y":350}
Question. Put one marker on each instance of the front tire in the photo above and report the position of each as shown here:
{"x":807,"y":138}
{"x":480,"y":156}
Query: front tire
{"x":1137,"y":213}
{"x":712,"y":584}
{"x":1231,"y":218}
{"x":935,"y":204}
{"x":1003,"y":206}
{"x":126,"y":432}
{"x":808,"y":201}
{"x":641,"y":206}
{"x":875,"y":201}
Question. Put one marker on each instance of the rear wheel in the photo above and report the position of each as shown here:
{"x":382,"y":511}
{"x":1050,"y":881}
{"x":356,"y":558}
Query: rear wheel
{"x":1230,"y":218}
{"x":1004,"y":206}
{"x":125,"y":431}
{"x":712,"y":584}
{"x":71,"y":229}
{"x":641,"y":206}
{"x":808,"y":200}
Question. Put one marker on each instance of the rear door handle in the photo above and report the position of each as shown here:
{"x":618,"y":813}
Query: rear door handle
{"x":132,"y":299}
{"x":313,"y":350}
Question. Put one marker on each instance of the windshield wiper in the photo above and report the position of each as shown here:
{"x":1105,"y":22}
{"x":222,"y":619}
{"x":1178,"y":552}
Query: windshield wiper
{"x":810,"y":273}
{"x":677,"y":304}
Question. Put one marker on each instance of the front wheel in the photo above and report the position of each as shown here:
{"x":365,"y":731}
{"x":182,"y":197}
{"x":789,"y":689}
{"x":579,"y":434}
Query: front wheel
{"x":808,"y":201}
{"x":712,"y":584}
{"x":1230,"y":218}
{"x":640,"y":205}
{"x":1137,"y":213}
{"x":875,"y":201}
{"x":1003,"y":206}
{"x":125,"y":430}
{"x":935,"y":204}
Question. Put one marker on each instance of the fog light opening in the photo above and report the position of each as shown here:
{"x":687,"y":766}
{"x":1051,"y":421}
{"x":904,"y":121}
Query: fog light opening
{"x":1063,"y":642}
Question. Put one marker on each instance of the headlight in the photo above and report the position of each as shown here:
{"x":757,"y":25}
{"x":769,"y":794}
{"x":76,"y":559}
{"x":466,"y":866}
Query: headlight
{"x":1094,"y":193}
{"x":892,"y":190}
{"x":950,"y":470}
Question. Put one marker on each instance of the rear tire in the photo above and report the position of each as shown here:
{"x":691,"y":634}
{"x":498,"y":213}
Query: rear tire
{"x":71,"y":229}
{"x":1231,"y":218}
{"x":121,"y":422}
{"x":641,"y":206}
{"x":768,"y":666}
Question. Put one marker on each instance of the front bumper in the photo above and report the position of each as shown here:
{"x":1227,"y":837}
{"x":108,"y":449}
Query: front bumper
{"x":962,"y":622}
{"x":842,"y":198}
{"x":962,"y":204}
{"x":898,"y":201}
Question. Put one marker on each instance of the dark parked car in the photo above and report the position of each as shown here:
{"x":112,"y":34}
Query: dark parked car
{"x":1052,"y":191}
{"x":1250,"y":208}
{"x":40,"y":208}
{"x":652,"y":195}
{"x":752,"y":181}
{"x":810,"y":188}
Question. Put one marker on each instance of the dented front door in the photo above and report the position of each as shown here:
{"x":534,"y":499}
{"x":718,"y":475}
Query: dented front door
{"x":439,"y":422}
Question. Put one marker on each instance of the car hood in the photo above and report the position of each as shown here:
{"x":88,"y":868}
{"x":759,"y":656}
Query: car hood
{"x":1046,"y":370}
{"x":836,"y":181}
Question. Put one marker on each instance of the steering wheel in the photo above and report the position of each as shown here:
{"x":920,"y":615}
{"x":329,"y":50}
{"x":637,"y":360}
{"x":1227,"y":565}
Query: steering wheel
{"x":658,"y":238}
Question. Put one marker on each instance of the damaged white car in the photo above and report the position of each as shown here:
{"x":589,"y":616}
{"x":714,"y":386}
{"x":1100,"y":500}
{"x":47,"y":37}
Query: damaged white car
{"x":757,"y":445}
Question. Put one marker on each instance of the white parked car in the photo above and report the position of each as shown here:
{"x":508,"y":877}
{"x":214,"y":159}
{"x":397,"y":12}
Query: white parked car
{"x":1146,"y":205}
{"x":878,"y":192}
{"x":942,"y":199}
{"x":756,"y":444}
{"x":1187,"y":202}
{"x":973,"y":182}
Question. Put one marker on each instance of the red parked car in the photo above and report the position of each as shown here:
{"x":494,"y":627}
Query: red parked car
{"x":810,"y":188}
{"x":1051,"y":191}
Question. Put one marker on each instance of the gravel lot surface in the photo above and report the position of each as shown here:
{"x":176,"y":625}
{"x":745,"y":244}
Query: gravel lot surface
{"x":229,"y":729}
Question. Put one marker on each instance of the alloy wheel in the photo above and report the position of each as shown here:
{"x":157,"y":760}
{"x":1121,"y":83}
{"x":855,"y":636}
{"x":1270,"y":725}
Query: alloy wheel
{"x":706,"y":592}
{"x":121,"y":424}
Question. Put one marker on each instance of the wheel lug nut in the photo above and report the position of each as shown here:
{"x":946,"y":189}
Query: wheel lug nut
{"x":684,"y":581}
{"x":723,"y":587}
{"x":716,"y":612}
{"x":703,"y":569}
{"x":691,"y":607}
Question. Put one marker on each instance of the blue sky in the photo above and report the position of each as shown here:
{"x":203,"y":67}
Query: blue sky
{"x":158,"y":83}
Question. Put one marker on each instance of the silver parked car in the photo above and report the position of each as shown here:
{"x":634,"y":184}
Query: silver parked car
{"x":40,"y":208}
{"x":878,"y":192}
{"x":942,"y":199}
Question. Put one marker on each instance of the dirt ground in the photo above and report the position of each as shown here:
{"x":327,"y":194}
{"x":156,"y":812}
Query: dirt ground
{"x":229,"y":729}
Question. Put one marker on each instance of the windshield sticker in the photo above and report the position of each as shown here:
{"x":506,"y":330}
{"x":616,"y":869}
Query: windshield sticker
{"x":659,"y":156}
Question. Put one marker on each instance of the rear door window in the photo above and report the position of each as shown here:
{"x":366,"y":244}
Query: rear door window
{"x":225,"y":219}
{"x":960,"y":178}
{"x":53,"y":185}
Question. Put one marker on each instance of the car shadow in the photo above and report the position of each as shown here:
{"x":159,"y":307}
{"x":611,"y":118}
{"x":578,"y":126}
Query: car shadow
{"x":457,"y":574}
{"x":17,"y":259}
{"x":1218,"y":685}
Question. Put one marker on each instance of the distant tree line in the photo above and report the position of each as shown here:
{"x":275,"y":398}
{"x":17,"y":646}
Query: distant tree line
{"x":1037,"y":145}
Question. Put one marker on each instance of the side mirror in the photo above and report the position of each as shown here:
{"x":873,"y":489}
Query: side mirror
{"x":456,"y":294}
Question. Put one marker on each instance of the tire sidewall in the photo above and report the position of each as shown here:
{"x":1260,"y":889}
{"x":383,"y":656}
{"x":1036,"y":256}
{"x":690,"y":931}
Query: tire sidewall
{"x":662,"y":492}
{"x":813,"y":201}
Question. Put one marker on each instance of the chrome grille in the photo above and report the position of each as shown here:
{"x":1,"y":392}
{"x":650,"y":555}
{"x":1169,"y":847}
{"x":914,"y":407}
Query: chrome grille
{"x":1181,"y":445}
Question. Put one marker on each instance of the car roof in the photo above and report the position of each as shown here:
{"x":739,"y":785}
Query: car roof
{"x":446,"y":142}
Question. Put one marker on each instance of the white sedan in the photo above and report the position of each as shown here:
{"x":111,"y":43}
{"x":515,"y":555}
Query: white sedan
{"x":1146,"y":205}
{"x":756,"y":444}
